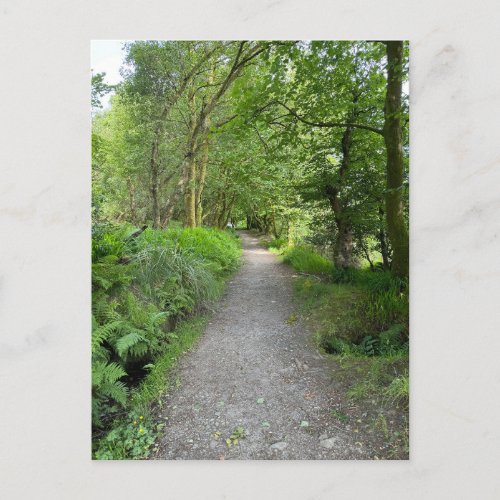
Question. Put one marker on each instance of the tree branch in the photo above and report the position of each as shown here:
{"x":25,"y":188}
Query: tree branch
{"x":330,"y":124}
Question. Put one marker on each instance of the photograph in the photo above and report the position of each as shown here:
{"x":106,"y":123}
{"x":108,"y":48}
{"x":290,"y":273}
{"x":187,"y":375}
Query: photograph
{"x":250,"y":249}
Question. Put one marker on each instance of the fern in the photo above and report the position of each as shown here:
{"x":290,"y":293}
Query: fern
{"x":103,"y":309}
{"x":369,"y":345}
{"x":106,"y":385}
{"x":155,"y":321}
{"x":102,"y":333}
{"x":115,"y":390}
{"x":106,"y":372}
{"x":170,"y":273}
{"x":131,"y":343}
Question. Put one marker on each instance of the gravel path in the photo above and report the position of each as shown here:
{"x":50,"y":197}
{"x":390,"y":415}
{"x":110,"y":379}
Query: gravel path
{"x":256,"y":370}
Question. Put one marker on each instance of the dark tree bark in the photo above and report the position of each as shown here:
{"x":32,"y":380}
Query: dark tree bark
{"x":344,"y":243}
{"x":384,"y":250}
{"x":396,"y":225}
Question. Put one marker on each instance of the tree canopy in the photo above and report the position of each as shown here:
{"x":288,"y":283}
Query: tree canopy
{"x":298,"y":139}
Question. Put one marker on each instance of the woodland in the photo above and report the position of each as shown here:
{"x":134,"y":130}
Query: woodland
{"x":302,"y":143}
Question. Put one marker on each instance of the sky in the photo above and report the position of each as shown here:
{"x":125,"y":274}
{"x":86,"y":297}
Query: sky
{"x":106,"y":56}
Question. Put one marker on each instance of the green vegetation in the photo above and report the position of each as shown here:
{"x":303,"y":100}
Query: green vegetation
{"x":360,"y":317}
{"x":367,"y":315}
{"x":306,"y":260}
{"x":142,"y":286}
{"x":305,"y":142}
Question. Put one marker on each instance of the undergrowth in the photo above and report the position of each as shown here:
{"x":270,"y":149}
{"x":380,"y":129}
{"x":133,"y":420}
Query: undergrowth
{"x":305,"y":260}
{"x":143,"y":285}
{"x":361,"y":318}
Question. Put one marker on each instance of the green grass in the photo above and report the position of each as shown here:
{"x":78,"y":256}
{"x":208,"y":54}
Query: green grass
{"x":372,"y":353}
{"x":157,"y":382}
{"x":305,"y":260}
{"x":276,"y":243}
{"x":398,"y":391}
{"x":340,"y":416}
{"x":146,"y":293}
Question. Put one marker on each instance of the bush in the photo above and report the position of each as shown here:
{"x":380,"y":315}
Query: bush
{"x":386,"y":304}
{"x":220,"y":249}
{"x":174,"y":279}
{"x":141,"y":287}
{"x":361,"y":313}
{"x":305,"y":260}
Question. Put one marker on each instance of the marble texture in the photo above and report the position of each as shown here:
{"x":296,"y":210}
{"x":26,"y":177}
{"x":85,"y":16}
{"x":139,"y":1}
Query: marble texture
{"x":45,"y":262}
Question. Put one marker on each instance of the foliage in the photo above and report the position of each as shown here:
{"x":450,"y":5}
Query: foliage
{"x":305,"y":260}
{"x":266,"y":156}
{"x":156,"y":383}
{"x":276,"y":243}
{"x":130,"y":439}
{"x":283,"y":138}
{"x":99,"y":89}
{"x":141,"y":287}
{"x":212,"y":245}
{"x":338,"y":313}
{"x":398,"y":391}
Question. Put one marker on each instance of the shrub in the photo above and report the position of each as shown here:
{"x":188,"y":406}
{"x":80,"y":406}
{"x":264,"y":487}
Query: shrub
{"x":336,"y":345}
{"x":219,"y":248}
{"x":141,"y":287}
{"x":175,"y":280}
{"x":391,"y":340}
{"x":132,"y":438}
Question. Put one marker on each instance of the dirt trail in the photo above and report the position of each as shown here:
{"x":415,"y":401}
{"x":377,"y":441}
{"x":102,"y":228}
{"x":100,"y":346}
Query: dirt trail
{"x":256,"y":369}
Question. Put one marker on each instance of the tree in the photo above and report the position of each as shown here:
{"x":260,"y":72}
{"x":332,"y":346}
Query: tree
{"x":303,"y":139}
{"x":398,"y":232}
{"x":99,"y":88}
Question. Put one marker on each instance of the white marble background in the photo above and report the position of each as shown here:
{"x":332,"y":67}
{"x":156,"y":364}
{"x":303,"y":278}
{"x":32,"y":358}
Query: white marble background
{"x":45,"y":263}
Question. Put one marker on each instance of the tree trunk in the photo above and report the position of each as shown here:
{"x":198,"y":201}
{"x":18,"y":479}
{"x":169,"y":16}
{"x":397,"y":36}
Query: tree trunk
{"x":242,"y":59}
{"x":222,"y":214}
{"x":158,"y":133}
{"x":228,"y":211}
{"x":131,"y":196}
{"x":384,"y":250}
{"x":178,"y":190}
{"x":155,"y":175}
{"x":201,"y":181}
{"x":273,"y":225}
{"x":190,"y":193}
{"x":343,"y":248}
{"x":398,"y":232}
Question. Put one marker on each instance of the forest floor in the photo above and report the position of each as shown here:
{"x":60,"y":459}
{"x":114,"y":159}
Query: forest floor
{"x":256,"y":387}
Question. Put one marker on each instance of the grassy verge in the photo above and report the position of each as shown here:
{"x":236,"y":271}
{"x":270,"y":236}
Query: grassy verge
{"x":150,"y":297}
{"x":359,"y":318}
